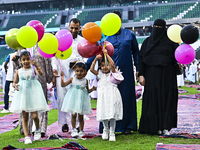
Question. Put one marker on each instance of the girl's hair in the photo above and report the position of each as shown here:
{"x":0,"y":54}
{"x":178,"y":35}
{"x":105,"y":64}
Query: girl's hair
{"x":24,"y":53}
{"x":79,"y":65}
{"x":99,"y":63}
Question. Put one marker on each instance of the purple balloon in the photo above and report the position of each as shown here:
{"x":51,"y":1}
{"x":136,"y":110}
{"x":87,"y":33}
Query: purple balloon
{"x":87,"y":49}
{"x":185,"y":54}
{"x":45,"y":54}
{"x":38,"y":26}
{"x":65,"y":39}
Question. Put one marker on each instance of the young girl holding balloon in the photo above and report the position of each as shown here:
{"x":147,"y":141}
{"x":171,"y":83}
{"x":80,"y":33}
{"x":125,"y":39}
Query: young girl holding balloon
{"x":77,"y":99}
{"x":29,"y":96}
{"x":109,"y":104}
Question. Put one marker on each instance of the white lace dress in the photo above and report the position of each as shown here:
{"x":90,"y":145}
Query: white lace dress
{"x":109,"y":102}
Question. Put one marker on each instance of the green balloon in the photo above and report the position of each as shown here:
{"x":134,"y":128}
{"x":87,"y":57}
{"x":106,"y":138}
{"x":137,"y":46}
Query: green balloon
{"x":64,"y":55}
{"x":11,"y":39}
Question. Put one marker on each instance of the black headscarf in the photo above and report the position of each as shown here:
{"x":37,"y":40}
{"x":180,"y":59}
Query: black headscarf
{"x":157,"y":33}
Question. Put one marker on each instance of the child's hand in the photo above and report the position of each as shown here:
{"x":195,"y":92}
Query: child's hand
{"x":16,"y":86}
{"x":62,"y":73}
{"x":33,"y":62}
{"x":98,"y":56}
{"x":94,"y":88}
{"x":104,"y":51}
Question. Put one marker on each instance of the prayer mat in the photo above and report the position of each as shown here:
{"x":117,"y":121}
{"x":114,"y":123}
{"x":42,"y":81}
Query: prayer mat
{"x":188,"y":117}
{"x":10,"y":122}
{"x":182,"y":91}
{"x":193,"y":96}
{"x":182,"y":135}
{"x":91,"y":130}
{"x":194,"y":86}
{"x":160,"y":146}
{"x":73,"y":145}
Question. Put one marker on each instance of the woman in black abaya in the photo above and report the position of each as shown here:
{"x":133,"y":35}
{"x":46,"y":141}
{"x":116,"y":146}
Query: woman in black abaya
{"x":157,"y":73}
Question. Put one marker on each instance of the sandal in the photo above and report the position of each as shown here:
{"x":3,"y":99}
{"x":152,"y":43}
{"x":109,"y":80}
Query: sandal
{"x":65,"y":128}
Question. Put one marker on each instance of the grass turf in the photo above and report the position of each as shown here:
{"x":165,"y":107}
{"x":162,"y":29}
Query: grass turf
{"x":134,"y":141}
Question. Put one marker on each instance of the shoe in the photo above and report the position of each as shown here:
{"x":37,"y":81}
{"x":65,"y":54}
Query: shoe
{"x":74,"y":133}
{"x":65,"y":128}
{"x":37,"y":135}
{"x":159,"y":132}
{"x":105,"y":135}
{"x":43,"y":134}
{"x":165,"y":132}
{"x":81,"y":134}
{"x":112,"y":137}
{"x":27,"y":140}
{"x":5,"y":111}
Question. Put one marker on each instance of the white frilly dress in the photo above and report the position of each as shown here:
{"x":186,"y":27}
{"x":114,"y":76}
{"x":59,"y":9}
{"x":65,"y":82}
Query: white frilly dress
{"x":109,"y":102}
{"x":30,"y":97}
{"x":77,"y":98}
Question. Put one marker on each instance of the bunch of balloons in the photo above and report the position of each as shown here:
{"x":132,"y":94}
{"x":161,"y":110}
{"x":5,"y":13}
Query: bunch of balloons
{"x":95,"y":35}
{"x":49,"y":45}
{"x":189,"y":34}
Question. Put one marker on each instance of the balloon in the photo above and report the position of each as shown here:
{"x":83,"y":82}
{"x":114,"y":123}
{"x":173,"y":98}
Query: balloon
{"x":45,"y":54}
{"x":38,"y":26}
{"x":103,"y":37}
{"x":48,"y":44}
{"x":108,"y":46}
{"x":11,"y":39}
{"x":110,"y":24}
{"x":189,"y":34}
{"x":185,"y":54}
{"x":174,"y":33}
{"x":27,"y":36}
{"x":87,"y":49}
{"x":91,"y":32}
{"x":64,"y":55}
{"x":65,"y":39}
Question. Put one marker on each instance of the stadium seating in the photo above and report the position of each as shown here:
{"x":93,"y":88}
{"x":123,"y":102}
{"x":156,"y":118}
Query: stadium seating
{"x":18,"y":21}
{"x":4,"y":53}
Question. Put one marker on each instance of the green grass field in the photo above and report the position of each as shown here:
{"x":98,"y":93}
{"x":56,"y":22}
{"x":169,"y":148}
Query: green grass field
{"x":134,"y":141}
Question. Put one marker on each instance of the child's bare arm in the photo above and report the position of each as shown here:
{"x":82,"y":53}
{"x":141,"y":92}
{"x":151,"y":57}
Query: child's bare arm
{"x":37,"y":68}
{"x":63,"y":84}
{"x":16,"y":80}
{"x":92,"y":89}
{"x":93,"y":65}
{"x":110,"y":61}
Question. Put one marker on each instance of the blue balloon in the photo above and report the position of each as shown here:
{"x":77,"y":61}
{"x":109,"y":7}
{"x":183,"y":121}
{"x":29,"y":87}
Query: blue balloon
{"x":103,"y":37}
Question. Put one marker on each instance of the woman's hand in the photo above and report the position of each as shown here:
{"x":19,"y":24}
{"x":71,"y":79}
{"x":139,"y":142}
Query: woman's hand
{"x":142,"y":80}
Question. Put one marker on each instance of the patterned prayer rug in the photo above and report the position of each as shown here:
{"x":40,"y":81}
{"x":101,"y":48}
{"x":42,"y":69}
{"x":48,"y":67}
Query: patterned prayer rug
{"x":91,"y":129}
{"x":160,"y":146}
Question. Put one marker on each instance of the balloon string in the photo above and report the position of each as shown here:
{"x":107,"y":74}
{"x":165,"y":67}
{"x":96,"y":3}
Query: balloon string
{"x":61,"y":63}
{"x":104,"y":46}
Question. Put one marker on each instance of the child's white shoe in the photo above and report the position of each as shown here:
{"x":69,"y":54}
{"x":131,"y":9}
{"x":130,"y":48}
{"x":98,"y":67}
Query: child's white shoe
{"x":105,"y":135}
{"x":74,"y":133}
{"x":37,"y":135}
{"x":165,"y":132}
{"x":81,"y":134}
{"x":27,"y":140}
{"x":112,"y":137}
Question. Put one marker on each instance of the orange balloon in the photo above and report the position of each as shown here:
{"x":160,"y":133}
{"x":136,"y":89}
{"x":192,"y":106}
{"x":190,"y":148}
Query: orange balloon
{"x":91,"y":32}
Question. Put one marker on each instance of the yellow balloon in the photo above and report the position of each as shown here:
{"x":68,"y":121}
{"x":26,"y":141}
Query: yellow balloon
{"x":174,"y":33}
{"x":27,"y":36}
{"x":110,"y":24}
{"x":11,"y":39}
{"x":64,"y":55}
{"x":48,"y":44}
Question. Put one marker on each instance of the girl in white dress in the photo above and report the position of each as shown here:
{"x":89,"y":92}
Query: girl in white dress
{"x":109,"y":102}
{"x":29,"y":96}
{"x":76,"y":100}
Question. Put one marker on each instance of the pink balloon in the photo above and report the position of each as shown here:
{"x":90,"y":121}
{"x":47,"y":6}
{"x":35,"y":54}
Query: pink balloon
{"x":65,"y":39}
{"x":38,"y":26}
{"x":87,"y":49}
{"x":45,"y":54}
{"x":108,"y":46}
{"x":185,"y":54}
